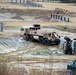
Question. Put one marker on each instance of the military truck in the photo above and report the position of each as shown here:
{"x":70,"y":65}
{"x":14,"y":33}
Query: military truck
{"x":68,"y":45}
{"x":71,"y":68}
{"x":43,"y":35}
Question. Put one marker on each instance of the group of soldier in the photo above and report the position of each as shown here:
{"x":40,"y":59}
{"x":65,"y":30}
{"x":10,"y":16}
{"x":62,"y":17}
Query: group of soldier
{"x":1,"y":26}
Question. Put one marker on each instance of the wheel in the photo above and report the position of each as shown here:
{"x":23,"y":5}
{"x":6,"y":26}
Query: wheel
{"x":41,"y":40}
{"x":31,"y":38}
{"x":69,"y":50}
{"x":58,"y":41}
{"x":66,"y":51}
{"x":73,"y":72}
{"x":27,"y":37}
{"x":69,"y":72}
{"x":47,"y":42}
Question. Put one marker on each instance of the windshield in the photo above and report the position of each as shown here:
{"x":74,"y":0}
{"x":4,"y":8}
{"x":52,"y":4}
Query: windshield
{"x":73,"y":62}
{"x":74,"y":44}
{"x":22,"y":29}
{"x":49,"y":35}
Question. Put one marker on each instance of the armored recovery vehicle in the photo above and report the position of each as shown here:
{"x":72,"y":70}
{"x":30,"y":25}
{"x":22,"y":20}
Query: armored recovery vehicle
{"x":43,"y":35}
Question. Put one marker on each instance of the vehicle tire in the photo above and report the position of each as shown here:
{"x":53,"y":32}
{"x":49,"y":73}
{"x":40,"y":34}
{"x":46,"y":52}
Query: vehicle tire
{"x":31,"y":38}
{"x":41,"y":40}
{"x":27,"y":37}
{"x":58,"y":42}
{"x":69,"y":72}
{"x":65,"y":51}
{"x":70,"y":51}
{"x":47,"y":42}
{"x":73,"y":72}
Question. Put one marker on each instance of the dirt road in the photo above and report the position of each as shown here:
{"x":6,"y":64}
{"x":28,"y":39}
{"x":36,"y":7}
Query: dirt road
{"x":32,"y":56}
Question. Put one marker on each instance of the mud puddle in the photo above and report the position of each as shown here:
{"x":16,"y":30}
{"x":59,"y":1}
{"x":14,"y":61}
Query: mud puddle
{"x":11,"y":44}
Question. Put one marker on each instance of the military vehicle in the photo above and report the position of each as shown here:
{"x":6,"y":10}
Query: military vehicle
{"x":68,"y":45}
{"x":43,"y":35}
{"x":71,"y":68}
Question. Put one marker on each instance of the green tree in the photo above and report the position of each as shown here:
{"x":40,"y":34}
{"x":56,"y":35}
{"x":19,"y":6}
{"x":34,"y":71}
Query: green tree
{"x":68,"y":1}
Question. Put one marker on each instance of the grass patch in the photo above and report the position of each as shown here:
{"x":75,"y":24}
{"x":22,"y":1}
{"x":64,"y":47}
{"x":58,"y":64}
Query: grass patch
{"x":41,"y":52}
{"x":70,"y":4}
{"x":3,"y":66}
{"x":3,"y":60}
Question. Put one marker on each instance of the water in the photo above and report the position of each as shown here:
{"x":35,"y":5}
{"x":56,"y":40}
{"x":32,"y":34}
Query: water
{"x":11,"y":44}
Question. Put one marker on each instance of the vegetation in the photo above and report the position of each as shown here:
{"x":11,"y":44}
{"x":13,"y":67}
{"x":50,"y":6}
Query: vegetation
{"x":68,"y":1}
{"x":41,"y":52}
{"x":3,"y":67}
{"x":5,"y":70}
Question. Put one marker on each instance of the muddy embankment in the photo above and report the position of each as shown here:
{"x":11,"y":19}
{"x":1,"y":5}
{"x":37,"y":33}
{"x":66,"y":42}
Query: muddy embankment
{"x":30,"y":15}
{"x":34,"y":57}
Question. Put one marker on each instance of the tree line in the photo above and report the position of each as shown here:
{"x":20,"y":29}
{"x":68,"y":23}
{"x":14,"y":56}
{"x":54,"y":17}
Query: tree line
{"x":68,"y":1}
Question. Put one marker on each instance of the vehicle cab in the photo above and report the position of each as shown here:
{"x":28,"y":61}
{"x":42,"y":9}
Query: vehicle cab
{"x":71,"y":68}
{"x":72,"y":65}
{"x":74,"y":46}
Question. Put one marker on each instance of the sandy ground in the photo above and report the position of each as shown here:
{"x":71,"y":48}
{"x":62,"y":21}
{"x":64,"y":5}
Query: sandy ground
{"x":19,"y":24}
{"x":31,"y":55}
{"x":52,"y":6}
{"x":70,"y":27}
{"x":15,"y":18}
{"x":47,"y":6}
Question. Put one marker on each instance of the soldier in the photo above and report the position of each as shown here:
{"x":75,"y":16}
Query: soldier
{"x":1,"y":26}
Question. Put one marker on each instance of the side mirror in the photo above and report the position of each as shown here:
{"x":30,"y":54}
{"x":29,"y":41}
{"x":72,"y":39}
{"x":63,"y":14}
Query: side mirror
{"x":22,"y":29}
{"x":73,"y":63}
